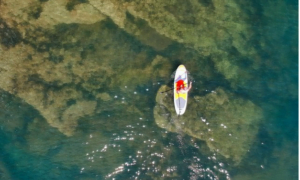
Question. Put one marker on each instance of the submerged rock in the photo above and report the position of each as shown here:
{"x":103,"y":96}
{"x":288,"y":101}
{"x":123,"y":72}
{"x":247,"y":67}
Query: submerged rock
{"x":47,"y":14}
{"x":226,"y":32}
{"x":65,"y":81}
{"x":228,"y":124}
{"x":213,"y":28}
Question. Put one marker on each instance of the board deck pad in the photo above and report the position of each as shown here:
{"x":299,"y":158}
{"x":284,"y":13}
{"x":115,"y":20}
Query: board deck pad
{"x":180,"y":99}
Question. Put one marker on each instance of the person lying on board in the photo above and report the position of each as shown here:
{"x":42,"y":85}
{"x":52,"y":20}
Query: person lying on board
{"x":182,"y":89}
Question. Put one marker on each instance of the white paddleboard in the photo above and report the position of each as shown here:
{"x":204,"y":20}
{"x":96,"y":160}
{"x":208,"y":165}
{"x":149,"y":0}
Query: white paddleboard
{"x":180,"y":99}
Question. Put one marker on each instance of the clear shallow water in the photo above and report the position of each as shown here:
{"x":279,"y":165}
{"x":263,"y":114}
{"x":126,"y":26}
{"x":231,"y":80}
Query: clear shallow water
{"x":122,"y":141}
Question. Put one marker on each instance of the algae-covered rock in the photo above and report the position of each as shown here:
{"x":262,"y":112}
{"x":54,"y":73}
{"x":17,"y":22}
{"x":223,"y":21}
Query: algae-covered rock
{"x":63,"y":80}
{"x":42,"y":13}
{"x":227,"y":123}
{"x":103,"y":96}
{"x":76,"y":111}
{"x":26,"y":75}
{"x":224,"y":31}
{"x":228,"y":32}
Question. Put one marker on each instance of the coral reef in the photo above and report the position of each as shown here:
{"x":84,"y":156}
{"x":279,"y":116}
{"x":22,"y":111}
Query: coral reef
{"x":227,"y":123}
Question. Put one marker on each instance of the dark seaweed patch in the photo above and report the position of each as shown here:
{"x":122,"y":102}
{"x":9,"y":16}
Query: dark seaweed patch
{"x":72,"y":3}
{"x":42,"y":47}
{"x":206,"y":3}
{"x":183,"y":11}
{"x":90,"y":48}
{"x":36,"y":12}
{"x":130,"y":17}
{"x":65,"y":28}
{"x":29,"y":57}
{"x":83,"y":54}
{"x":55,"y":58}
{"x":71,"y":102}
{"x":140,"y":23}
{"x":9,"y":37}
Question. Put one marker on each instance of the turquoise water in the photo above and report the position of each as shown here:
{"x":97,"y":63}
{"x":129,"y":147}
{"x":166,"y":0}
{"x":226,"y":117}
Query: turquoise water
{"x":104,"y":64}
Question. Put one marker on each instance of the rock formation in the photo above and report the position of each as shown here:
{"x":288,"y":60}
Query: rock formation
{"x":228,"y":124}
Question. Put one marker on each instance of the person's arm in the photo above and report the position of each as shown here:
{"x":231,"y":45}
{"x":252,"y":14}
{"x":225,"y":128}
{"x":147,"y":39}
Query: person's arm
{"x":190,"y":86}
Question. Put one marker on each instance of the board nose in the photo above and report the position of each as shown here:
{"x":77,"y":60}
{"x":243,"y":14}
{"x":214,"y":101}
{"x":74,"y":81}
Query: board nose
{"x":181,"y":67}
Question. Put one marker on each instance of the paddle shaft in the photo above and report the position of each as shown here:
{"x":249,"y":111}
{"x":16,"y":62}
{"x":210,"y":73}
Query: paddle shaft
{"x":168,"y":90}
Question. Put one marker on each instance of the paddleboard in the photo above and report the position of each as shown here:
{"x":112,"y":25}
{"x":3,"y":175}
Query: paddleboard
{"x":180,"y":99}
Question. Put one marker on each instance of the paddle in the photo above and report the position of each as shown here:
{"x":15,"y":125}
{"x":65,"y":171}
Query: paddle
{"x":168,"y":90}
